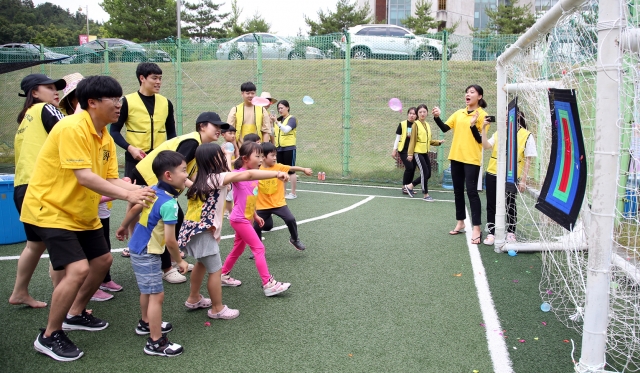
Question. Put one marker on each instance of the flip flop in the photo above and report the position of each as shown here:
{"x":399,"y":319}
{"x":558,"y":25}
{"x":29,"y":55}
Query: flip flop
{"x":479,"y":239}
{"x":455,"y":232}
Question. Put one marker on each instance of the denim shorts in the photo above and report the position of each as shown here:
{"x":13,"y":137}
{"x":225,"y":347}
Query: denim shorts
{"x":148,"y":271}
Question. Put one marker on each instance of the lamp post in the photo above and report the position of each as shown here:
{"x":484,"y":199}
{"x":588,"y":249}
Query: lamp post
{"x":86,"y":8}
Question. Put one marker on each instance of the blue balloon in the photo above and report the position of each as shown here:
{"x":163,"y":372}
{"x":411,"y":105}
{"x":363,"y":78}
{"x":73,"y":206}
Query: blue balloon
{"x":512,"y":253}
{"x":545,"y":307}
{"x":307,"y":100}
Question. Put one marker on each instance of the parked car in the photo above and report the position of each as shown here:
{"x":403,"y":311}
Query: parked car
{"x":119,"y":50}
{"x":389,"y":42}
{"x":17,"y":52}
{"x":273,"y":47}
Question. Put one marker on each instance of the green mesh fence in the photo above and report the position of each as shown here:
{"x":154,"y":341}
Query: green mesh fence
{"x":348,"y":131}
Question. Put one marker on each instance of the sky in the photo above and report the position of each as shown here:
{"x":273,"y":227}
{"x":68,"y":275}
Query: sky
{"x":286,"y":17}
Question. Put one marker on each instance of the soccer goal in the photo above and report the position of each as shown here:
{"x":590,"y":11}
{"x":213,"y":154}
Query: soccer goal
{"x":591,"y":272}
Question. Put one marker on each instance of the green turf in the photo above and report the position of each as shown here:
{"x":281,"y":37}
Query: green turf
{"x":374,"y":291}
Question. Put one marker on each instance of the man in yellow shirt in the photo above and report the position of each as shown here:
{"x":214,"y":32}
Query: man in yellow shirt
{"x":246,"y":117}
{"x":75,"y":167}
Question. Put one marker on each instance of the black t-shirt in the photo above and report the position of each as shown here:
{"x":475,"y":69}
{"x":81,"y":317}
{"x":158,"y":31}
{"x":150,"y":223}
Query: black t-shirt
{"x":188,"y":149}
{"x":406,"y":141}
{"x":50,"y":115}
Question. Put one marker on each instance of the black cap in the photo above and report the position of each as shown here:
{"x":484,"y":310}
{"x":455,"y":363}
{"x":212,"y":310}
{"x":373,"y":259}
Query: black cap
{"x":33,"y":80}
{"x":213,"y":118}
{"x":230,"y":129}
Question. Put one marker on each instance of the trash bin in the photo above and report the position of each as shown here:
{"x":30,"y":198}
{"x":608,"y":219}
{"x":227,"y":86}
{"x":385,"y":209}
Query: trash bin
{"x":11,"y":228}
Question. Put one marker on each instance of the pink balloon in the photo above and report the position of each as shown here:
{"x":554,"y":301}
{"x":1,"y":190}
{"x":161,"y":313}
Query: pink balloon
{"x":259,"y":101}
{"x":395,"y":104}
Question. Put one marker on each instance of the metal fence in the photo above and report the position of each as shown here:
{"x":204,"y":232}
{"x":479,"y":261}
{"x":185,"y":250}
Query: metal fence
{"x":348,"y":131}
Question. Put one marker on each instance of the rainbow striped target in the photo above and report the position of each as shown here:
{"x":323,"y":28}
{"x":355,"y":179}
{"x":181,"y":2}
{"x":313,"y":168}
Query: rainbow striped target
{"x":566,"y":180}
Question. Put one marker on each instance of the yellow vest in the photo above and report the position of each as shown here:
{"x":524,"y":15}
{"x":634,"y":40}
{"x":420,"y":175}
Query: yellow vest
{"x":523,"y":135}
{"x":285,"y":139}
{"x":144,"y":131}
{"x":245,"y":129}
{"x":27,"y":143}
{"x":423,"y":137}
{"x":144,"y":166}
{"x":403,"y":136}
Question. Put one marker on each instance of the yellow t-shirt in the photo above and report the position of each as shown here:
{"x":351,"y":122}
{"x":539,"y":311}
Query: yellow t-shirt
{"x":271,"y":191}
{"x":55,"y":198}
{"x":464,"y":147}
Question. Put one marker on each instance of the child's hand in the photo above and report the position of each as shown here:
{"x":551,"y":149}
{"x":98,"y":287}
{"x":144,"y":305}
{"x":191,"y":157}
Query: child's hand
{"x":183,"y":266}
{"x":122,"y":233}
{"x":308,"y":171}
{"x":283,"y":176}
{"x":260,"y":221}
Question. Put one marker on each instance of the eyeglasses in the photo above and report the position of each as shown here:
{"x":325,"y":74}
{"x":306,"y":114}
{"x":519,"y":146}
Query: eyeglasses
{"x":115,"y":100}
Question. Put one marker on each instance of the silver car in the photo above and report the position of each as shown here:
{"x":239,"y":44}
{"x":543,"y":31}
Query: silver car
{"x":273,"y":48}
{"x":390,"y":42}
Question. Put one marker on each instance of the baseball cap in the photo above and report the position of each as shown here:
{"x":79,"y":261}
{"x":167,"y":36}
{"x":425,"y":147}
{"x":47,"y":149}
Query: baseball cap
{"x":213,"y":118}
{"x":230,"y":129}
{"x":31,"y":81}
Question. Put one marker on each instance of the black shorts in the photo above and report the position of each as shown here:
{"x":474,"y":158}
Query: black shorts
{"x":18,"y":197}
{"x":66,"y":247}
{"x":287,"y":157}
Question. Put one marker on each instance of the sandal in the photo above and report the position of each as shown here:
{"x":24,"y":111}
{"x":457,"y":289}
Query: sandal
{"x":477,"y":240}
{"x":202,"y":303}
{"x":125,"y":253}
{"x":226,"y":314}
{"x":457,"y":231}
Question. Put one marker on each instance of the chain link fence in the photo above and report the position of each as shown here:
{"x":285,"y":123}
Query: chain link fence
{"x":348,"y":131}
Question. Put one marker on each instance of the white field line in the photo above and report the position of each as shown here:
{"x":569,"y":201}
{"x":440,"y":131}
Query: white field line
{"x":495,"y":340}
{"x":366,"y":195}
{"x":365,"y":186}
{"x":325,"y":216}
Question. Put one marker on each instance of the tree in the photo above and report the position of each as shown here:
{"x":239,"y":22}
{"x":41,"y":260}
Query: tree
{"x":256,"y":24}
{"x":202,"y":18}
{"x":347,"y":15}
{"x":140,"y":20}
{"x":422,"y":22}
{"x":233,"y":27}
{"x":510,"y":19}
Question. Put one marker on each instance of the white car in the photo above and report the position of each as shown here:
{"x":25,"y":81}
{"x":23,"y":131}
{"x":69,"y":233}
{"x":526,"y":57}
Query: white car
{"x":390,"y":42}
{"x":273,"y":48}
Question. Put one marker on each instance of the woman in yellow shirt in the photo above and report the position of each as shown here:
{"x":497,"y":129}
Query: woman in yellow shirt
{"x":466,"y":156}
{"x":419,"y":149}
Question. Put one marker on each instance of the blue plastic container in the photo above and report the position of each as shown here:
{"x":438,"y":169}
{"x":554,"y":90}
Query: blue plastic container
{"x":447,"y":182}
{"x":11,"y":228}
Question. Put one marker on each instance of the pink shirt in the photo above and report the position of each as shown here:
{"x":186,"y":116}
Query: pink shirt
{"x":245,"y":195}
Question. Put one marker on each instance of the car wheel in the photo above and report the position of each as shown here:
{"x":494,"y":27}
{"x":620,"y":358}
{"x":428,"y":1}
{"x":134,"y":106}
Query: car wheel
{"x":236,"y":55}
{"x":296,"y":55}
{"x":360,"y":54}
{"x":428,"y":54}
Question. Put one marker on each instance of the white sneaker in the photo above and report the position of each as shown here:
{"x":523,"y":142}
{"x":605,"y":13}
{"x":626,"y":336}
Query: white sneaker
{"x":490,"y":240}
{"x":273,"y":287}
{"x":511,"y":237}
{"x":227,"y":280}
{"x":173,"y":277}
{"x":290,"y":196}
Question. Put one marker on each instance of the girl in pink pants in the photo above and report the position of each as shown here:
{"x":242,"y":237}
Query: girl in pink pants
{"x":245,"y":194}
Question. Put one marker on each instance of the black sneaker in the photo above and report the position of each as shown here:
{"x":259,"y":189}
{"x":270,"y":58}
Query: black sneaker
{"x":297,"y":244}
{"x":162,"y":347}
{"x":58,"y":346}
{"x":85,"y":321}
{"x":143,"y":328}
{"x":410,"y":192}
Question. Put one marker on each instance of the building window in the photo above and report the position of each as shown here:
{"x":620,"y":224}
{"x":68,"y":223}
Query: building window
{"x":398,"y":10}
{"x":442,"y":4}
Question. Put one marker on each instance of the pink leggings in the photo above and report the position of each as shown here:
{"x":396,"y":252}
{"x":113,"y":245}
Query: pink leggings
{"x":246,"y":235}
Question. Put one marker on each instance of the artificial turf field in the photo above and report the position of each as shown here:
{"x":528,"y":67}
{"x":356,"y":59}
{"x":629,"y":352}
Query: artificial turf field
{"x":381,"y":287}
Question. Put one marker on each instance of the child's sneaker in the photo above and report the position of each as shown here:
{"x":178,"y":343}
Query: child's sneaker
{"x":297,"y":244}
{"x":143,"y":328}
{"x":274,"y":287}
{"x":110,"y":286}
{"x":162,"y":347}
{"x":58,"y":346}
{"x":511,"y":237}
{"x":101,"y":296}
{"x":226,"y":313}
{"x":490,"y":240}
{"x":227,"y":280}
{"x":173,"y":277}
{"x":290,"y":196}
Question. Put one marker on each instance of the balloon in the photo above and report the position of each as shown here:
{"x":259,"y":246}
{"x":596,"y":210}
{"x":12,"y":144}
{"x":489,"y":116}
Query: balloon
{"x":545,"y":307}
{"x":259,"y":101}
{"x":512,"y":253}
{"x":395,"y":104}
{"x":307,"y":100}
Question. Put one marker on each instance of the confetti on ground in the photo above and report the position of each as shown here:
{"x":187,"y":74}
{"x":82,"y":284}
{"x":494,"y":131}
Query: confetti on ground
{"x":476,"y":371}
{"x":521,"y":340}
{"x":458,"y":274}
{"x":350,"y":355}
{"x":535,"y":338}
{"x":516,"y":281}
{"x":549,"y":291}
{"x":515,"y":348}
{"x":566,"y":341}
{"x":544,"y":323}
{"x":206,"y":323}
{"x":528,"y":272}
{"x":482,"y":325}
